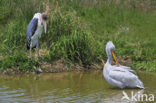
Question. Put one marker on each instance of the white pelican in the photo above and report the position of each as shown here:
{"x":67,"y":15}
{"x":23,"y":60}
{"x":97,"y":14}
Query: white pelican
{"x":118,"y":75}
{"x":34,"y":31}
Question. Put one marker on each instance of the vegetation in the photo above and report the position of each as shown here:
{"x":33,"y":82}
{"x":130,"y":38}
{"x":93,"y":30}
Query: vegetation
{"x":19,"y":62}
{"x":78,"y":31}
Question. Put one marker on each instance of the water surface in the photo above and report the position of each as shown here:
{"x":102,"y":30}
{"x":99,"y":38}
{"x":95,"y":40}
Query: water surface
{"x":79,"y":87}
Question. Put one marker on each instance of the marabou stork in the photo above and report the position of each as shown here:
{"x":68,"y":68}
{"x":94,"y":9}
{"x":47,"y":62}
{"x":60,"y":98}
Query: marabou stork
{"x":34,"y":31}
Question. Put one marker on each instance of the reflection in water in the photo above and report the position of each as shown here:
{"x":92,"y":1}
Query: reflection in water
{"x":67,"y":87}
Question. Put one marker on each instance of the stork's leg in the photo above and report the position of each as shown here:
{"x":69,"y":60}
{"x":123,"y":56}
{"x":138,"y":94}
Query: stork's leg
{"x":30,"y":48}
{"x":37,"y":48}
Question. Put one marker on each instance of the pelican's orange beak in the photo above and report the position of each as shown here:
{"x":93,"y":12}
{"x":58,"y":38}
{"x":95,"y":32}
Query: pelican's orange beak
{"x":114,"y":57}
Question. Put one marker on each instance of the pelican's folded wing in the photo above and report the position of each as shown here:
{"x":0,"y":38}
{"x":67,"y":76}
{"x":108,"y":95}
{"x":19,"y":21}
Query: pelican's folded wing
{"x":123,"y":68}
{"x":125,"y":77}
{"x":121,"y":74}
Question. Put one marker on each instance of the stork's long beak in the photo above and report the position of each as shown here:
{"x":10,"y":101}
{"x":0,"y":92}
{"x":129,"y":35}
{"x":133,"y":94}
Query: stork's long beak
{"x":45,"y":26}
{"x":114,"y":57}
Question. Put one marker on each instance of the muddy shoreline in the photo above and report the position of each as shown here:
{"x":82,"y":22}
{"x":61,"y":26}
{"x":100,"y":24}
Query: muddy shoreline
{"x":61,"y":66}
{"x":57,"y":67}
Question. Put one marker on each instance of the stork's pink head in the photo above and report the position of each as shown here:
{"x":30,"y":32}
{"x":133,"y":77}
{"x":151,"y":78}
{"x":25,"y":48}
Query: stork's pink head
{"x":44,"y":18}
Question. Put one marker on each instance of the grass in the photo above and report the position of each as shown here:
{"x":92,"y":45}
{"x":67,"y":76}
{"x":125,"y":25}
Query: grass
{"x":76,"y":47}
{"x":19,"y":62}
{"x":78,"y":31}
{"x":132,"y":32}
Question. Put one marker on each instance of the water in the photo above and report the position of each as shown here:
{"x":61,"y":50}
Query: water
{"x":79,"y":87}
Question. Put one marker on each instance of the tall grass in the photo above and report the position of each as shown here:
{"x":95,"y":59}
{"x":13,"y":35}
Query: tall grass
{"x":76,"y":47}
{"x":131,"y":29}
{"x":78,"y":31}
{"x":65,"y":30}
{"x":68,"y":39}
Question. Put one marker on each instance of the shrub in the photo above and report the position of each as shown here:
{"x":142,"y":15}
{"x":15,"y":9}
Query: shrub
{"x":61,"y":23}
{"x":76,"y":47}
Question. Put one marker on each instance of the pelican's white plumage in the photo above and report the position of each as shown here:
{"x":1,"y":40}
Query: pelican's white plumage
{"x":118,"y":75}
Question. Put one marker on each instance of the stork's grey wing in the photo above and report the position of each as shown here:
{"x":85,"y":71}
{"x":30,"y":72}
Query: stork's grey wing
{"x":31,"y":30}
{"x":32,"y":27}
